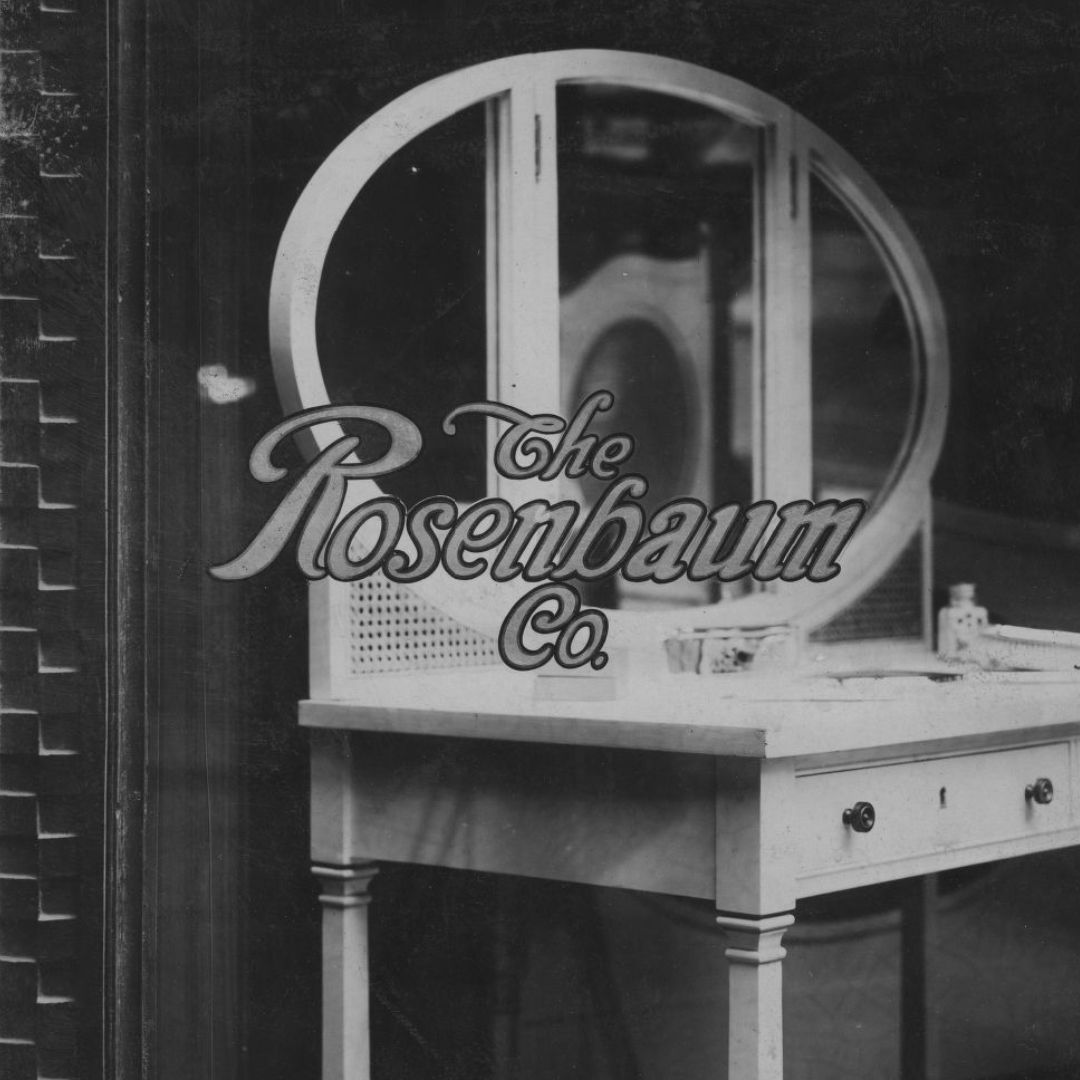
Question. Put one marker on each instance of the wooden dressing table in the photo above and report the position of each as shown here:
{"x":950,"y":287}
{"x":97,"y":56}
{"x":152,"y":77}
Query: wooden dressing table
{"x":749,"y":791}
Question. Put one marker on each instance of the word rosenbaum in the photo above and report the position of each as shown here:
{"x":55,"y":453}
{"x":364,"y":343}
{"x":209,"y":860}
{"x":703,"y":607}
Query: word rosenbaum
{"x":541,"y":541}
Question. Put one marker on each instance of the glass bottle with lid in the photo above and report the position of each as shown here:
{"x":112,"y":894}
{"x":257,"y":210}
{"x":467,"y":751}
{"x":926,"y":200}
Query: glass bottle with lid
{"x":960,"y":623}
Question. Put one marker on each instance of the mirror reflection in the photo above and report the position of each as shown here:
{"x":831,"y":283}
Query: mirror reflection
{"x":402,"y":319}
{"x":862,"y":354}
{"x":659,"y":297}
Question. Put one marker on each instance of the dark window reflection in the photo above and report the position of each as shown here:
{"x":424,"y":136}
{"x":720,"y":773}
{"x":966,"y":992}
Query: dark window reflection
{"x":657,"y":233}
{"x":401,"y":316}
{"x":862,"y":355}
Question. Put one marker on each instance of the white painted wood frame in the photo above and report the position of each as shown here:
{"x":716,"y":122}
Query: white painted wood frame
{"x":523,"y":327}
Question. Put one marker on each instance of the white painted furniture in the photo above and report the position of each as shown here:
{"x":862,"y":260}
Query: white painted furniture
{"x":732,"y":788}
{"x":525,"y":316}
{"x":745,"y":791}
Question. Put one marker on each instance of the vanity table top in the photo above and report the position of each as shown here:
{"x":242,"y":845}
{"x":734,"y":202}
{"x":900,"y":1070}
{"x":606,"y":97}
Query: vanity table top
{"x":850,"y":700}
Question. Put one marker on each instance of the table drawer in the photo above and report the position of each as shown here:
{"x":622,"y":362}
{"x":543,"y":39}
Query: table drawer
{"x":929,"y":806}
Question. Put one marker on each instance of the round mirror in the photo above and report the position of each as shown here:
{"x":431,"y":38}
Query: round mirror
{"x":536,"y":228}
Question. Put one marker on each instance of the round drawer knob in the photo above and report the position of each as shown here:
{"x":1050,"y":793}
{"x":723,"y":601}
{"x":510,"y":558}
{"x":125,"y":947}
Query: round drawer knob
{"x":861,"y":816}
{"x":1042,"y":791}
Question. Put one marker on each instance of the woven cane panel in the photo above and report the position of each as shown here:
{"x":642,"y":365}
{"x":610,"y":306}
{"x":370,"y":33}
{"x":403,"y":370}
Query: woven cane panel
{"x":893,"y":608}
{"x":392,"y":629}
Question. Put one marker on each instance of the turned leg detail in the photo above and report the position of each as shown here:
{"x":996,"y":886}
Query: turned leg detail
{"x":346,"y":1044}
{"x":755,"y":1017}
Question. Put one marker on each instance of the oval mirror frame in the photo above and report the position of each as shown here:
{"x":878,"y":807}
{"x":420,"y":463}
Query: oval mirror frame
{"x":482,"y":603}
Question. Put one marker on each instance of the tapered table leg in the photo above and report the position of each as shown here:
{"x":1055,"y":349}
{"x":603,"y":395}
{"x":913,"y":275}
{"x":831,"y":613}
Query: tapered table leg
{"x":346,"y":1043}
{"x":755,"y":1015}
